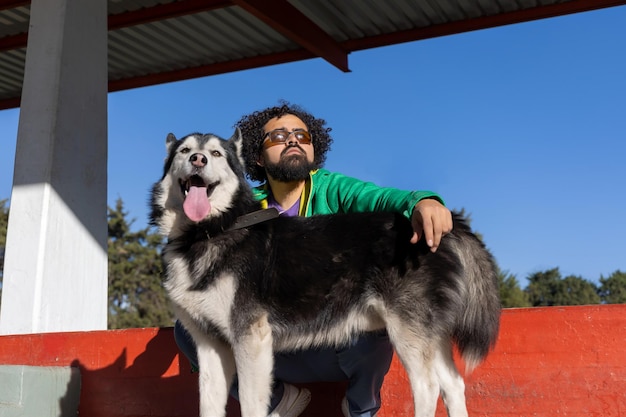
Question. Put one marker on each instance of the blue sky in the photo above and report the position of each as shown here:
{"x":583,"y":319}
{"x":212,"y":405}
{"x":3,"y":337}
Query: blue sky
{"x":523,"y":126}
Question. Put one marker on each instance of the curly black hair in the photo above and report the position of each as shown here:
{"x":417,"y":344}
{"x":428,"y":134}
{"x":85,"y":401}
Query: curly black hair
{"x":251,"y":126}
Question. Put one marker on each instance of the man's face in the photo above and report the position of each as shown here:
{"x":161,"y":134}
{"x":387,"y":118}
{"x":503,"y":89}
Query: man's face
{"x":291,"y":160}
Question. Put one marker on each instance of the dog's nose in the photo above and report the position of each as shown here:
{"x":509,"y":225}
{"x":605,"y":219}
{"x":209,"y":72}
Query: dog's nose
{"x":198,"y":160}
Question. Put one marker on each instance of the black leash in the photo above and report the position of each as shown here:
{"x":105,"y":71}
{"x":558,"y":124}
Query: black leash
{"x":255,"y":217}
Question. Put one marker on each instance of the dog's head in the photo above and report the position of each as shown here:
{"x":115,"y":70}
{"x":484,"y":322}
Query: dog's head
{"x":201,"y":177}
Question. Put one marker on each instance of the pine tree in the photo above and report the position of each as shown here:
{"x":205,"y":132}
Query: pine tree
{"x":542,"y":287}
{"x":576,"y":291}
{"x":511,"y":294}
{"x":136,"y":295}
{"x":548,"y":288}
{"x":613,"y":288}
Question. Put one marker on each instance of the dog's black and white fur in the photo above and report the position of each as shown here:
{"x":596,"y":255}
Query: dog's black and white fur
{"x":295,"y":282}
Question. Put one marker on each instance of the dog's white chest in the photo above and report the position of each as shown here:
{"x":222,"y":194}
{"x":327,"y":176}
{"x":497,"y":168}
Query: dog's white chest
{"x":213,"y":304}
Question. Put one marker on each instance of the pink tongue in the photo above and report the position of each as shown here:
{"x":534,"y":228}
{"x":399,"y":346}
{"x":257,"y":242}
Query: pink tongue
{"x":196,"y":205}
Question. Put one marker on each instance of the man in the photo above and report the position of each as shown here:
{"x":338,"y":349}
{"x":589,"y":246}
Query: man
{"x":284,"y":148}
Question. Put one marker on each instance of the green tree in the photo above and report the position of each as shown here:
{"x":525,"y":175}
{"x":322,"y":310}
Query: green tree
{"x":548,"y":288}
{"x":577,"y":291}
{"x":542,"y":287}
{"x":613,"y":288}
{"x":511,"y":294}
{"x":136,"y":294}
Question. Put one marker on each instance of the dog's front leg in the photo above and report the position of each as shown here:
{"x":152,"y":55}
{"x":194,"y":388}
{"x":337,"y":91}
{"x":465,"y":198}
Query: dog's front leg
{"x":217,"y":369}
{"x":255,"y":361}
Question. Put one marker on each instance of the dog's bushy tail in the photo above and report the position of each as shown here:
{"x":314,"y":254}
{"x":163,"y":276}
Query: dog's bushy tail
{"x":478,"y":324}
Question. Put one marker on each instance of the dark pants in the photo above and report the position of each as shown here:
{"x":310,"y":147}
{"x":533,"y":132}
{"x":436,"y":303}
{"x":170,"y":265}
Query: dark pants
{"x":364,"y":363}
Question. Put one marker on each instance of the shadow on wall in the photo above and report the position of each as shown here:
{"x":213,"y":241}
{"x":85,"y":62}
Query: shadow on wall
{"x":157,"y":383}
{"x":147,"y":387}
{"x":68,"y":403}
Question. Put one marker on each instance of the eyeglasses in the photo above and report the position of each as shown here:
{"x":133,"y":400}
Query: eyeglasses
{"x":280,"y":136}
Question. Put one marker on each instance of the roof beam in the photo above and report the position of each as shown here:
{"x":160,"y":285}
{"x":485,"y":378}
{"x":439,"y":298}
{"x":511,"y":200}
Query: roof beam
{"x":11,"y":4}
{"x":13,"y":42}
{"x":486,"y":22}
{"x":207,"y":70}
{"x":164,"y":11}
{"x":292,"y":23}
{"x":121,"y":20}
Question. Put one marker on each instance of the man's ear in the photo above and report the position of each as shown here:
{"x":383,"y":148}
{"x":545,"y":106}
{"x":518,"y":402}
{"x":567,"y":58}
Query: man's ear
{"x":260,"y":160}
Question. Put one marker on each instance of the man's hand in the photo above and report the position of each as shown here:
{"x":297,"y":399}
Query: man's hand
{"x":433,"y":220}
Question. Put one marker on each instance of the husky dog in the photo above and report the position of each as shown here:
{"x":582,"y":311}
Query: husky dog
{"x":244,"y":287}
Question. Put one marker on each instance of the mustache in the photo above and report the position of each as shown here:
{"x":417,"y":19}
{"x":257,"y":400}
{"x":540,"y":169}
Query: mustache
{"x":290,"y":147}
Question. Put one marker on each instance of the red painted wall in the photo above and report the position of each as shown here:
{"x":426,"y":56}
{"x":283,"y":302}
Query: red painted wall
{"x":558,"y":361}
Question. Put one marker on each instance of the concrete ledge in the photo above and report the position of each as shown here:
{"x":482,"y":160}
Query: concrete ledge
{"x":41,"y":391}
{"x":547,"y":362}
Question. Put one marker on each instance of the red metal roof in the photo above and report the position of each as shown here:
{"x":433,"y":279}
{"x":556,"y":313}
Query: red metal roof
{"x":160,"y":41}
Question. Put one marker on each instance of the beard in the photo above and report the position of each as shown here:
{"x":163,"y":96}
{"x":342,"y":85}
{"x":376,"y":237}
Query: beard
{"x":290,"y":168}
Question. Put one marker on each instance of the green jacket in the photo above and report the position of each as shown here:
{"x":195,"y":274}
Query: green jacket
{"x":329,"y":192}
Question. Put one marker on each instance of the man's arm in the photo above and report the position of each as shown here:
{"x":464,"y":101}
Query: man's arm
{"x":426,"y":209}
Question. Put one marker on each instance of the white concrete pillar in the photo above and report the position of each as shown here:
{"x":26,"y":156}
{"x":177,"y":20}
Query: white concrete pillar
{"x":55,"y":271}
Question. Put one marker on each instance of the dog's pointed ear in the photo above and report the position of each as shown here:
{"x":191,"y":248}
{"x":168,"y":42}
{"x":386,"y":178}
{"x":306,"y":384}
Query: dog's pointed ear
{"x":237,"y":140}
{"x":169,"y":142}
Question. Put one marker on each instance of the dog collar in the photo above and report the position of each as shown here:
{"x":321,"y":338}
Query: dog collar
{"x":255,"y":217}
